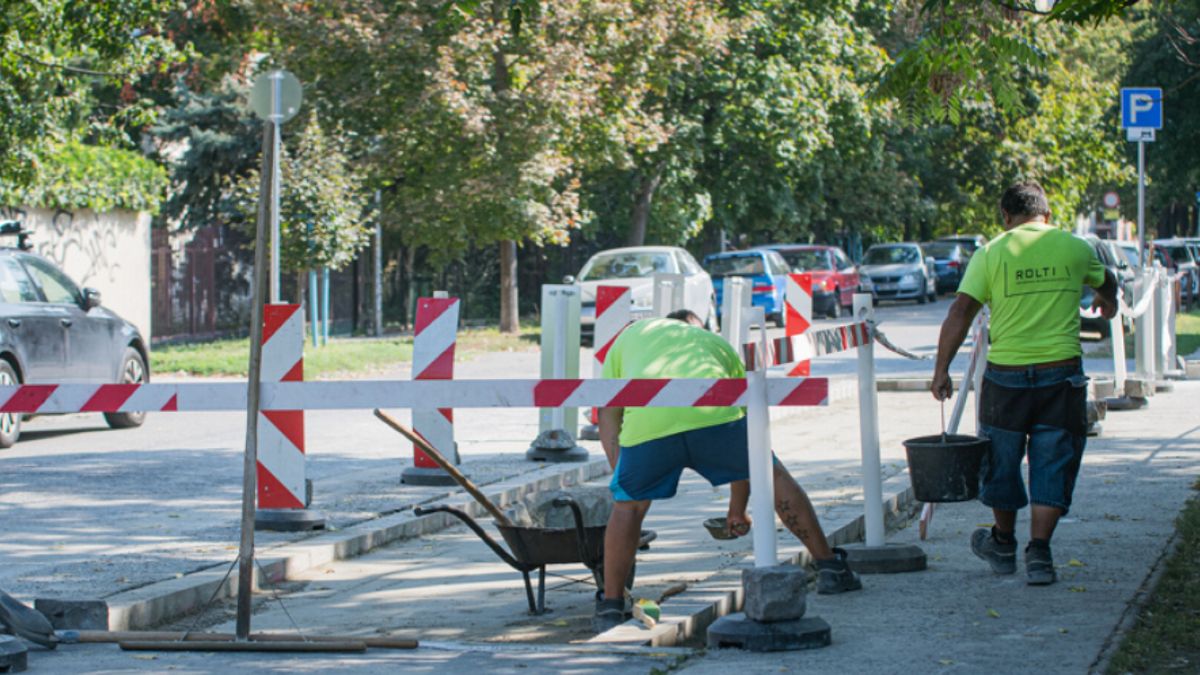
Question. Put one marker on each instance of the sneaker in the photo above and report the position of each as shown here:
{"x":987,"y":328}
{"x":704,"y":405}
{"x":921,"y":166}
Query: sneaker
{"x":1039,"y":565}
{"x":1002,"y":557}
{"x":835,"y":576}
{"x":609,"y":613}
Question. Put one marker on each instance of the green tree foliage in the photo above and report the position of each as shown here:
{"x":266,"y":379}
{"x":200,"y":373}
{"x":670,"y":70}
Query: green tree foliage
{"x":54,"y":55}
{"x":74,"y":176}
{"x":322,"y":203}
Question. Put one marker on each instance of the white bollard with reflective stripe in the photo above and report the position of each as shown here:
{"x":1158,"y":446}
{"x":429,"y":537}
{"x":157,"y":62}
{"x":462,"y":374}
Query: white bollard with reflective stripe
{"x":868,"y":425}
{"x":668,"y":293}
{"x":735,"y":301}
{"x":758,"y":429}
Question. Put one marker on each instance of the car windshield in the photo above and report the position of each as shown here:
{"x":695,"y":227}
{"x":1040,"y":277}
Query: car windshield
{"x":891,"y":255}
{"x":806,"y":259}
{"x":736,"y":266}
{"x":627,"y":265}
{"x":1181,"y":254}
{"x":939,"y":251}
{"x":1131,"y":256}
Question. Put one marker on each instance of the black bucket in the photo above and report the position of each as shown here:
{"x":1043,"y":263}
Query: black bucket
{"x":945,"y":469}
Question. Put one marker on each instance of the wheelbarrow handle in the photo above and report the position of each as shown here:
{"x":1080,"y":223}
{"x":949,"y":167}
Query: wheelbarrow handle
{"x":585,"y":554}
{"x":479,"y":531}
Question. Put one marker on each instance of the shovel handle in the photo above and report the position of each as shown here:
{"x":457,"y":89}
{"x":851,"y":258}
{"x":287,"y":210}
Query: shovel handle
{"x":449,"y":468}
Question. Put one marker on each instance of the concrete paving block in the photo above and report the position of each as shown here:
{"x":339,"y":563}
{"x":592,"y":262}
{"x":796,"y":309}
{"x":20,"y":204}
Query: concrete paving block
{"x":775,"y":593}
{"x":886,"y":559}
{"x":74,"y":614}
{"x":1192,"y":370}
{"x":1139,"y":388}
{"x":737,"y":630}
{"x":1096,"y":410}
{"x":13,"y":655}
{"x":1103,"y":388}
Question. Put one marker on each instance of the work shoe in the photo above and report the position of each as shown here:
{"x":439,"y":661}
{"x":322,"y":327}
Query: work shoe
{"x":1039,"y":565}
{"x":609,"y":613}
{"x":25,"y":622}
{"x":835,"y":576}
{"x":1002,"y":557}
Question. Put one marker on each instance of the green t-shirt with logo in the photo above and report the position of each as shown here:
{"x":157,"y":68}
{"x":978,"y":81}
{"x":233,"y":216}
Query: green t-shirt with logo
{"x":1032,"y":277}
{"x":666,"y":348}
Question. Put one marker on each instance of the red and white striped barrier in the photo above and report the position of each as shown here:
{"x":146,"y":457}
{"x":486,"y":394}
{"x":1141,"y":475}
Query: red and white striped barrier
{"x":435,"y":334}
{"x":281,"y":460}
{"x":370,"y":394}
{"x":614,"y":308}
{"x":810,"y":345}
{"x":798,"y":309}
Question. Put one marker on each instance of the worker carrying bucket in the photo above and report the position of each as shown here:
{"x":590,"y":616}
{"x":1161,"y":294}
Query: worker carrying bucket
{"x":1034,"y":392}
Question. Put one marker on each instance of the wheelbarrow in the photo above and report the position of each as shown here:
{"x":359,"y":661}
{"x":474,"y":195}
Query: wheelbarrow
{"x":532,"y":548}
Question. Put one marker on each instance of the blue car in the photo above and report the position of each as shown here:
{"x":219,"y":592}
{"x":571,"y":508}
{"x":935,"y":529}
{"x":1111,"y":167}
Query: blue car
{"x":766,"y":270}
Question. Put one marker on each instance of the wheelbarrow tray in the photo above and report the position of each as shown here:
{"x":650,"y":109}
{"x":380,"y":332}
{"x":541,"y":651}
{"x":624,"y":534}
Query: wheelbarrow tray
{"x":537,"y":546}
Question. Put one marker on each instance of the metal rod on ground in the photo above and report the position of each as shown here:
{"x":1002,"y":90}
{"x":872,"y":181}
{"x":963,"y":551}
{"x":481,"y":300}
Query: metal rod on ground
{"x":249,"y":646}
{"x":109,"y":637}
{"x":762,"y":485}
{"x":245,"y":595}
{"x":449,"y":468}
{"x":868,"y":424}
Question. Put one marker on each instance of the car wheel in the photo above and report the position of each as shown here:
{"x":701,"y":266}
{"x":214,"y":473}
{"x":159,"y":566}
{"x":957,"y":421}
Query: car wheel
{"x":133,"y":371}
{"x":835,"y":311}
{"x":10,"y":423}
{"x":922,"y":298}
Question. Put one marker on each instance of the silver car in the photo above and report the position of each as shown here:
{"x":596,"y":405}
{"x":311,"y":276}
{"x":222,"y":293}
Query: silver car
{"x":900,"y":272}
{"x":635,"y":267}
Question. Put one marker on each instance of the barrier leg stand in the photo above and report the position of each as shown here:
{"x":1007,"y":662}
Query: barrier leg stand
{"x":874,"y":556}
{"x":560,"y":360}
{"x":434,"y":337}
{"x":1120,"y":400}
{"x":284,"y":494}
{"x":773,"y":617}
{"x":614,"y":308}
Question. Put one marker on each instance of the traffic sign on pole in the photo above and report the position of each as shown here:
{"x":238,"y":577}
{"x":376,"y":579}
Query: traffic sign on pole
{"x":1141,"y":108}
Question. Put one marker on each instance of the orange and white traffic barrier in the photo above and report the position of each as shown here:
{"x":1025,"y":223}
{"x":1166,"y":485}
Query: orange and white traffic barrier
{"x":434,"y":337}
{"x":798,"y":310}
{"x":282,"y":484}
{"x":614,"y":311}
{"x":809,"y":345}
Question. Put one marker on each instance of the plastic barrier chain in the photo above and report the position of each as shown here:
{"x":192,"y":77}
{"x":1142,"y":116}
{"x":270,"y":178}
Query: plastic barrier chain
{"x":420,"y":394}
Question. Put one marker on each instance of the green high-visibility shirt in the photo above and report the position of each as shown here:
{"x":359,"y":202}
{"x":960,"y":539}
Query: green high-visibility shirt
{"x":666,"y":348}
{"x":1032,"y":277}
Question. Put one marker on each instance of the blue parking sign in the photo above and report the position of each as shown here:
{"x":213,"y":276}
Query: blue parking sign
{"x":1141,"y":108}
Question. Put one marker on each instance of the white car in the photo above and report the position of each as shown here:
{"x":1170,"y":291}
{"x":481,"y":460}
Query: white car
{"x":635,"y":268}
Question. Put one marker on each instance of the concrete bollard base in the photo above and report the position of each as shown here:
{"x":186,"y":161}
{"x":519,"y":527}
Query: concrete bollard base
{"x":1103,"y":388}
{"x":1125,"y":403}
{"x":739,"y":631}
{"x":1139,"y":388}
{"x":419,"y":475}
{"x":590,"y":432}
{"x":14,"y":656}
{"x":886,"y":559}
{"x":775,"y":593}
{"x":74,"y":614}
{"x":1163,"y":387}
{"x":288,"y":520}
{"x":556,"y":445}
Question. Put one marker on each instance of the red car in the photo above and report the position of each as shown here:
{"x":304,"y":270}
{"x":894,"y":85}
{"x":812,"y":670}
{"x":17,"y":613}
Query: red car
{"x":835,"y":277}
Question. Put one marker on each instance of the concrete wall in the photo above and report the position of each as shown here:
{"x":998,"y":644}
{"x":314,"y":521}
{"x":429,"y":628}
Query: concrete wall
{"x":107,"y":251}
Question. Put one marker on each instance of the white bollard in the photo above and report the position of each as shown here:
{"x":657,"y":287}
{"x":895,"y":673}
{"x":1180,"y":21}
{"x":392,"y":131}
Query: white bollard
{"x":1145,"y":329}
{"x":668,"y":293}
{"x":758,"y":429}
{"x":1117,"y":333}
{"x":560,"y":360}
{"x":735,"y":300}
{"x":868,"y":424}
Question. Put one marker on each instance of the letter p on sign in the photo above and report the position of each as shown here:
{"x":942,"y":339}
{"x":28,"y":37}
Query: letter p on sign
{"x":1141,"y":108}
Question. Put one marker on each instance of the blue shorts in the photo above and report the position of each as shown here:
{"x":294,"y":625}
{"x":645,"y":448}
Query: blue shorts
{"x":651,"y":470}
{"x":1040,"y":413}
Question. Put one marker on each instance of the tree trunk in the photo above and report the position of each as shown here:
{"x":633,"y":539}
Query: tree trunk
{"x":641,"y":207}
{"x":509,"y":317}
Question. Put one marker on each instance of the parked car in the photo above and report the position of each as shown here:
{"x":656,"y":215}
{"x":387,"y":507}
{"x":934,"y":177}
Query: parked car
{"x":1116,"y":259}
{"x":900,"y":272}
{"x":835,"y":277}
{"x":971,"y":242}
{"x":55,"y":332}
{"x":1185,"y":262}
{"x":765,"y":270}
{"x":635,"y":267}
{"x":949,"y":262}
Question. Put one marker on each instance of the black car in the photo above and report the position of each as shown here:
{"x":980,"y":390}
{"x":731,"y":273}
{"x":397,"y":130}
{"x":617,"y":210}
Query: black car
{"x":949,"y":262}
{"x":51,"y":331}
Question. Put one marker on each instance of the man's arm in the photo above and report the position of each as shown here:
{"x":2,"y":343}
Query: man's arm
{"x":1106,"y":296}
{"x":609,"y":421}
{"x":954,"y":330}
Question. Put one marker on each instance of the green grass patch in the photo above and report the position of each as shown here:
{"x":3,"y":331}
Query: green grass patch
{"x":340,"y":356}
{"x":1166,"y":636}
{"x":1187,"y":332}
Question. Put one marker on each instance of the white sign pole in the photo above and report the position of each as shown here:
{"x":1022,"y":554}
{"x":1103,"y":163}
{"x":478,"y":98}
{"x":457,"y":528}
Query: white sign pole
{"x":277,"y":118}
